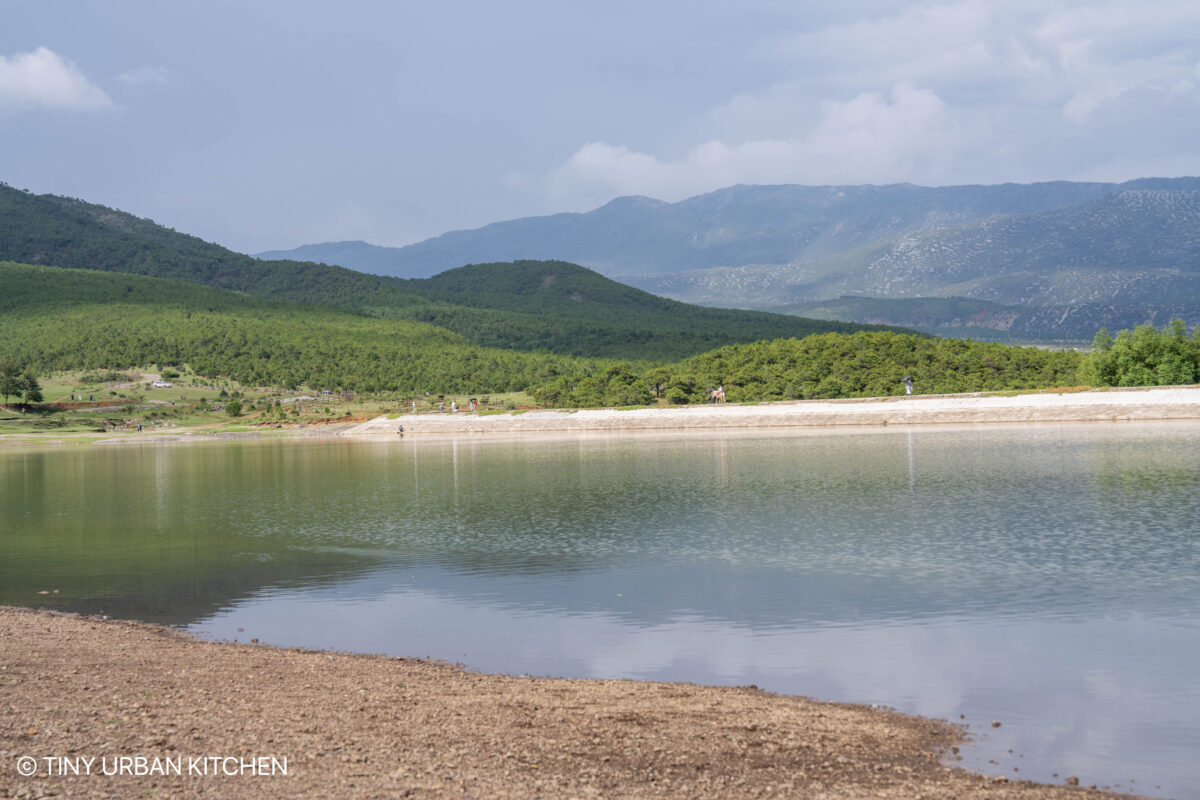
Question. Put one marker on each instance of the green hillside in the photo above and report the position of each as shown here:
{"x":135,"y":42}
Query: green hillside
{"x":56,"y":319}
{"x":65,"y":232}
{"x":30,"y":289}
{"x":562,"y":307}
{"x":63,"y":319}
{"x":548,"y":306}
{"x":867,"y":365}
{"x":826,"y":365}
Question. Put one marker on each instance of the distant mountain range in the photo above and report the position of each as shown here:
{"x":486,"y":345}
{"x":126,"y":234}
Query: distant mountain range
{"x":1049,"y":260}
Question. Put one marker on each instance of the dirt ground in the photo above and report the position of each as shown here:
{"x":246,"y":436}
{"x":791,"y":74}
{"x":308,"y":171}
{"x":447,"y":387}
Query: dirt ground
{"x":74,"y":688}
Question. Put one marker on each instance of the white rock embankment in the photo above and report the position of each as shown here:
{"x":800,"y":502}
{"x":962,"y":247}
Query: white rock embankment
{"x":1107,"y":405}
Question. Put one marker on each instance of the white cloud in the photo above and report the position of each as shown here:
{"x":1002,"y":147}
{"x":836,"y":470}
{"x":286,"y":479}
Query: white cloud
{"x":43,"y":78}
{"x":144,"y":76}
{"x":932,"y":93}
{"x":1084,"y":102}
{"x":976,"y":48}
{"x":907,"y":134}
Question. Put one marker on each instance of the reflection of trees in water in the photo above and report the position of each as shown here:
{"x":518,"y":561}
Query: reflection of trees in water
{"x":1168,"y":474}
{"x":160,"y":533}
{"x":1151,"y":498}
{"x":752,"y":529}
{"x":174,"y":591}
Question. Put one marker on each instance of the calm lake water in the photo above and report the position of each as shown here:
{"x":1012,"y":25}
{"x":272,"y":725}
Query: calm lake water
{"x":1044,"y":576}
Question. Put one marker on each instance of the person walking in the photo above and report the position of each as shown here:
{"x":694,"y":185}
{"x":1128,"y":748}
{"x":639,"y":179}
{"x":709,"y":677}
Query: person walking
{"x":908,"y":384}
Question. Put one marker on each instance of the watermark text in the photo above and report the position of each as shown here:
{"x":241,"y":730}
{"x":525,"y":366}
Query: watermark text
{"x":145,"y":766}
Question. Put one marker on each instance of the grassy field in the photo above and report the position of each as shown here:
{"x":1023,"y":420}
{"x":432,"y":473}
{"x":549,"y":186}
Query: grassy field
{"x":127,"y":401}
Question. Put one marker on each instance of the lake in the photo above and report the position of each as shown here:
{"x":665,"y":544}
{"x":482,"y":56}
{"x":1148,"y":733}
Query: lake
{"x":1043,"y":576}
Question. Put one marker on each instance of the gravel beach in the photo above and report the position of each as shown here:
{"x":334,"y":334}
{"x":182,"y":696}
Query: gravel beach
{"x":229,"y":720}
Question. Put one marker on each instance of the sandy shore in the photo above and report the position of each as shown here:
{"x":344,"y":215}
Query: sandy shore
{"x":82,"y":688}
{"x":1168,"y":403}
{"x":1084,"y":406}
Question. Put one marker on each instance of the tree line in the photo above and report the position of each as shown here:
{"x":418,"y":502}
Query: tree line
{"x":874,"y":364}
{"x":831,"y":365}
{"x":1145,"y":356}
{"x":19,"y":381}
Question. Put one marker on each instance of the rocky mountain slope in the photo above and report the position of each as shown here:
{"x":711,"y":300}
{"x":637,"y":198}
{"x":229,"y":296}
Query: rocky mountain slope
{"x":1130,"y":246}
{"x":740,"y":225}
{"x":1063,"y":255}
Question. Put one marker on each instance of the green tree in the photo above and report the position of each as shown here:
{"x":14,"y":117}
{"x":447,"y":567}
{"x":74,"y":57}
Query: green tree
{"x":10,"y":379}
{"x":233,"y":408}
{"x":677,"y":396}
{"x":31,"y":390}
{"x":1144,"y":356}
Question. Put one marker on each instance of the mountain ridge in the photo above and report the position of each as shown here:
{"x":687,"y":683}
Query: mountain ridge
{"x":1121,"y":251}
{"x":732,"y":214}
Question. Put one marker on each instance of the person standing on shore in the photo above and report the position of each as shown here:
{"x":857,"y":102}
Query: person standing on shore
{"x":908,"y":384}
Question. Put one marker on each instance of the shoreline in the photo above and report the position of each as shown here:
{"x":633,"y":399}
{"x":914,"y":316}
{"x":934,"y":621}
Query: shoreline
{"x":376,"y":726}
{"x":1171,"y":403}
{"x":869,"y":413}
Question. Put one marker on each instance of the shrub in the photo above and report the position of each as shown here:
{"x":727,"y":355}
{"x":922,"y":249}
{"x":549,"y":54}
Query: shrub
{"x":676,"y":396}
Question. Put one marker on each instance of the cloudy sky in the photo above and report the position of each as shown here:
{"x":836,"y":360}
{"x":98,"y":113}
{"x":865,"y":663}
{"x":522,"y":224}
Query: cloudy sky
{"x":265,"y":125}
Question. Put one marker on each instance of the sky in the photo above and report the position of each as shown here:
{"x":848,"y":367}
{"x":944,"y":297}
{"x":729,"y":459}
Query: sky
{"x":267,"y":125}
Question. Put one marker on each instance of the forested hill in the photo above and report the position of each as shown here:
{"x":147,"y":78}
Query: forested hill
{"x":561,"y":308}
{"x":65,"y":319}
{"x":28,"y":288}
{"x":537,"y":286}
{"x":65,"y":232}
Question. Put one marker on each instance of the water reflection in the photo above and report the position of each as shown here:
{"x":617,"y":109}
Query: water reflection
{"x":1045,"y":576}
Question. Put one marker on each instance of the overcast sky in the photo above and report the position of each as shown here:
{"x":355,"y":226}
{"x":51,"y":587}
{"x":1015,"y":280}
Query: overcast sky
{"x":263,"y":125}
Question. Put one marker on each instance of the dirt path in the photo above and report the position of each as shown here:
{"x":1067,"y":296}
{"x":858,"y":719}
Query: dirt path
{"x":370,"y":726}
